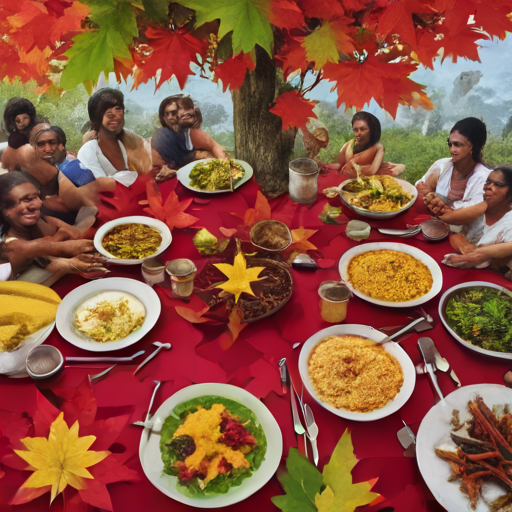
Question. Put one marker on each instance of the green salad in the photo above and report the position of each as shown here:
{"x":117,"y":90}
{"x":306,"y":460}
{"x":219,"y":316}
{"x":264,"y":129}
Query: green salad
{"x":483,"y":317}
{"x":214,"y":174}
{"x":211,"y":444}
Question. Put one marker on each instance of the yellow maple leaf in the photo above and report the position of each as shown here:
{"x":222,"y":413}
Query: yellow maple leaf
{"x":239,"y":276}
{"x":340,"y":494}
{"x":61,"y":459}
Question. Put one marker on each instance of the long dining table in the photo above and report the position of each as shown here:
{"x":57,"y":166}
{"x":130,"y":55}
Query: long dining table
{"x":252,"y":360}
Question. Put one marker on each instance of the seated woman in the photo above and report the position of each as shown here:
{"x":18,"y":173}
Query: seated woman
{"x":452,"y":188}
{"x":365,"y":150}
{"x":19,"y":119}
{"x":180,"y":141}
{"x":488,"y":240}
{"x":40,"y":251}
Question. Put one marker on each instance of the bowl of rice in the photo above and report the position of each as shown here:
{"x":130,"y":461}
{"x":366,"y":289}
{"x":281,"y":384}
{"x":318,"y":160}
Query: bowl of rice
{"x":391,"y":274}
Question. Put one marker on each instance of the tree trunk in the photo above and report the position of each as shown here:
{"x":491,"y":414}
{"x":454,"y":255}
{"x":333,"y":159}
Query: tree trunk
{"x":259,"y":138}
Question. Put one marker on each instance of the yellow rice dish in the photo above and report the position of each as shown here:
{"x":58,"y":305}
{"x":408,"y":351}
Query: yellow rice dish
{"x":354,"y":373}
{"x":390,"y":276}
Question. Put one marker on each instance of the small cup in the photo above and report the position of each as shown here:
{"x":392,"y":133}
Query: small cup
{"x":43,"y":362}
{"x":334,"y":297}
{"x":182,"y":272}
{"x":153,"y":271}
{"x":303,"y":180}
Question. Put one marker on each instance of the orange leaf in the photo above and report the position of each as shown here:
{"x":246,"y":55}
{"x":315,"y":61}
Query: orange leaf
{"x":292,"y":55}
{"x":300,"y":243}
{"x":194,"y":317}
{"x":293,"y":109}
{"x":175,"y":216}
{"x":235,"y":325}
{"x":155,"y":200}
{"x":286,"y":14}
{"x":261,"y":211}
{"x":228,"y":232}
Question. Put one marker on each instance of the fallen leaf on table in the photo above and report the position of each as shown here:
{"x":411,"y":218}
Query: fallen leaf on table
{"x":327,"y":263}
{"x":208,"y":244}
{"x":261,"y":211}
{"x":173,"y":211}
{"x":59,"y":460}
{"x":341,"y":495}
{"x":228,"y":232}
{"x":300,"y":243}
{"x":194,"y":317}
{"x":239,"y":276}
{"x":235,"y":326}
{"x":329,"y":214}
{"x":302,"y":483}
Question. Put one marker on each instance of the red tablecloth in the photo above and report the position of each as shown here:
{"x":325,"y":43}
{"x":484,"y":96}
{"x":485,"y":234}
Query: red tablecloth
{"x":251,"y":362}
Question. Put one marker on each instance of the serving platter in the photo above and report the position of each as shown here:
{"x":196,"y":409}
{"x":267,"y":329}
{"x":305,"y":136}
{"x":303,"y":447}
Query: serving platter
{"x":160,"y":226}
{"x":368,"y":332}
{"x":151,"y":460}
{"x":443,"y":303}
{"x":435,"y":429}
{"x":421,"y":256}
{"x":184,"y":176}
{"x":67,"y":308}
{"x":408,"y":187}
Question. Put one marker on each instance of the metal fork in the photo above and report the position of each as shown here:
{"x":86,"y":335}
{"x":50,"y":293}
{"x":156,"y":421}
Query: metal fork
{"x":101,"y":374}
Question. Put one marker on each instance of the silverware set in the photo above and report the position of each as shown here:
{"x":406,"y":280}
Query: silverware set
{"x":310,"y":431}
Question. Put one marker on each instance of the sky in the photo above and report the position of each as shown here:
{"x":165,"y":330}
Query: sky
{"x":495,"y":56}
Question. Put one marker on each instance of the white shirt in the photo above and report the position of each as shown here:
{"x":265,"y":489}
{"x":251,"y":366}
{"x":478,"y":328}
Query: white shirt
{"x":92,"y":157}
{"x":474,"y":192}
{"x":500,"y":232}
{"x":5,"y":271}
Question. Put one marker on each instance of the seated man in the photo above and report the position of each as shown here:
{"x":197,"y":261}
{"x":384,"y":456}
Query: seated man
{"x":107,"y":154}
{"x":180,"y":139}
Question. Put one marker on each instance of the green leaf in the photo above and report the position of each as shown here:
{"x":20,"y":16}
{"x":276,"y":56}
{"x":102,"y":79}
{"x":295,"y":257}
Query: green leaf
{"x":329,"y":214}
{"x":157,"y":10}
{"x":301,"y":482}
{"x":321,"y":46}
{"x":248,"y":20}
{"x":341,"y":495}
{"x":207,"y":244}
{"x":88,"y":57}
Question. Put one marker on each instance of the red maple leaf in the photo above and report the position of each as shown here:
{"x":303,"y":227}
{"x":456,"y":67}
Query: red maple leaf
{"x":173,"y":211}
{"x":292,"y":55}
{"x":293,"y":109}
{"x":397,"y":18}
{"x":232,"y":71}
{"x":322,"y":9}
{"x":492,"y":17}
{"x":286,"y":14}
{"x":10,"y":65}
{"x":172,"y":53}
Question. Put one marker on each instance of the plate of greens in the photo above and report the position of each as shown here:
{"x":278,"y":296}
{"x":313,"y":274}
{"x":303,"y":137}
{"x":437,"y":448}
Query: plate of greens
{"x":216,"y":445}
{"x":478,"y":315}
{"x":211,"y":175}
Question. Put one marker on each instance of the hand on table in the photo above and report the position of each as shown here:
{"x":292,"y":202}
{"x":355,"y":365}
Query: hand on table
{"x":165,"y":174}
{"x":473,"y":259}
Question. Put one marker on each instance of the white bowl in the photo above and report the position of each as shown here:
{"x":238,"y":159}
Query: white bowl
{"x":448,"y":294}
{"x":410,"y":189}
{"x":368,"y":332}
{"x":160,"y":226}
{"x":432,"y":265}
{"x":67,"y":308}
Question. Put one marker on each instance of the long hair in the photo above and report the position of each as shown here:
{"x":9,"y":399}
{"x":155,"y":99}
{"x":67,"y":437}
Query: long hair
{"x":100,"y":102}
{"x":374,"y":126}
{"x":476,"y":132}
{"x":8,"y":181}
{"x":15,"y":107}
{"x":184,"y":100}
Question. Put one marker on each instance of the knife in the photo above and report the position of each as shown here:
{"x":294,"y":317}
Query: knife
{"x":312,"y":431}
{"x":443,"y":365}
{"x":427,"y":349}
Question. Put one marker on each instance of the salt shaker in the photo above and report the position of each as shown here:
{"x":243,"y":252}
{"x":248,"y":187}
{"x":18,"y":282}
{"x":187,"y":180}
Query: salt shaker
{"x":182,"y":272}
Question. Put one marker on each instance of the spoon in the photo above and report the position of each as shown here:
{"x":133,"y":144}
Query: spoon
{"x":97,"y":359}
{"x":507,"y":378}
{"x":160,"y":346}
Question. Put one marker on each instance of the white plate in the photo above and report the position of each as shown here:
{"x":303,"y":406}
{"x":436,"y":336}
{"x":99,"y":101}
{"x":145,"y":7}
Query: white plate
{"x":151,"y":460}
{"x":66,"y":312}
{"x":410,"y":189}
{"x":184,"y":176}
{"x":432,"y":265}
{"x":442,"y":307}
{"x":369,"y":332}
{"x":12,"y":364}
{"x":160,"y":226}
{"x":435,"y":429}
